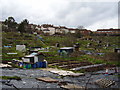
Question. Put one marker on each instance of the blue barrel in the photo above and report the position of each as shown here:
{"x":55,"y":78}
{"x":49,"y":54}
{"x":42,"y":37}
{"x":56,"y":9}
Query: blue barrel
{"x":27,"y":66}
{"x":44,"y":64}
{"x":34,"y":65}
{"x":24,"y":65}
{"x":37,"y":64}
{"x":40,"y":64}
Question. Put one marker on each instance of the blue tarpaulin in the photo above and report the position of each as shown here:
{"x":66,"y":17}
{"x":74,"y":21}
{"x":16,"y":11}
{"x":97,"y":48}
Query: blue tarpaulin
{"x":7,"y":46}
{"x":40,"y":38}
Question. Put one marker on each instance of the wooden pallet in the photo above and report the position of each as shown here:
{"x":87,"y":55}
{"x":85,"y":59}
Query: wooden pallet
{"x":104,"y":82}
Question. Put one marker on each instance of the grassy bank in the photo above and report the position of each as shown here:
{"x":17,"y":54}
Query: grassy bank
{"x":30,"y":40}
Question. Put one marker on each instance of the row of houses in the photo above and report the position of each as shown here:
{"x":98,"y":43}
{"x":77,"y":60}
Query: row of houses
{"x":51,"y":29}
{"x":108,"y":31}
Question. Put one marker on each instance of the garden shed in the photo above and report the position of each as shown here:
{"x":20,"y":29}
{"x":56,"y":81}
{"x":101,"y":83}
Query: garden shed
{"x":117,"y":50}
{"x":68,"y":50}
{"x":21,"y":48}
{"x":33,"y":58}
{"x":37,"y":47}
{"x":34,"y":49}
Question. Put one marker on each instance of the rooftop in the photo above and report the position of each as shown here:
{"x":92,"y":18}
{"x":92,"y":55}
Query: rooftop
{"x":66,"y":48}
{"x":108,"y":29}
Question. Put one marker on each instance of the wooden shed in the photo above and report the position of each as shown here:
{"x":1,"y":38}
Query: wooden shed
{"x":117,"y":50}
{"x":33,"y":58}
{"x":67,"y":49}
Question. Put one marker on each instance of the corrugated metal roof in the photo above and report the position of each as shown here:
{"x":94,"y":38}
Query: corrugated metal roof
{"x":30,"y":56}
{"x":33,"y":53}
{"x":67,"y":48}
{"x":108,"y":30}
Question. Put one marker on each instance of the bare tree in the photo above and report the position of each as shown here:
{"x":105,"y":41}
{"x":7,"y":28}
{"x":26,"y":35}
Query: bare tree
{"x":80,"y":27}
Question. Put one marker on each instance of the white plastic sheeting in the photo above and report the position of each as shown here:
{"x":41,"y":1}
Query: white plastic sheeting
{"x":21,"y":48}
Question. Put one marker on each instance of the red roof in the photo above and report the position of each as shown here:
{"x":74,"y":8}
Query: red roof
{"x":108,"y":30}
{"x":63,"y":27}
{"x":71,"y":29}
{"x":47,"y":25}
{"x":56,"y":27}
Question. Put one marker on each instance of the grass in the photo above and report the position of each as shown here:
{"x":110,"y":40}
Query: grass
{"x":100,"y":61}
{"x":83,"y":58}
{"x":52,"y":40}
{"x":64,"y":40}
{"x":92,"y":60}
{"x":10,"y":77}
{"x":117,"y":63}
{"x":118,"y":76}
{"x":16,"y":39}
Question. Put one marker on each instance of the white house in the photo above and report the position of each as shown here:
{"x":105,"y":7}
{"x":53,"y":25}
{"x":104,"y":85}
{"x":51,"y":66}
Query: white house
{"x":47,"y":28}
{"x":64,"y":29}
{"x":38,"y":28}
{"x":52,"y":30}
{"x":71,"y":30}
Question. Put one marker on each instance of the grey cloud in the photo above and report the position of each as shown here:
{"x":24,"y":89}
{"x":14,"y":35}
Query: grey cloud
{"x":98,"y":11}
{"x":70,"y":13}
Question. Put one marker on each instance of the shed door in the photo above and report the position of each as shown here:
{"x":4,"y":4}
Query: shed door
{"x":35,"y":59}
{"x":32,"y":59}
{"x":40,"y":58}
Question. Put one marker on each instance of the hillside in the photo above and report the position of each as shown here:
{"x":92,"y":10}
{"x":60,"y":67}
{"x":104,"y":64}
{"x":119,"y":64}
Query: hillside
{"x":30,"y":40}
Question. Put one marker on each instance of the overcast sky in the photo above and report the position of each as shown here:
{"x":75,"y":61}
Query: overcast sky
{"x":70,"y":13}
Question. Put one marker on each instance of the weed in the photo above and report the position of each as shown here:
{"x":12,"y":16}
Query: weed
{"x":10,"y":77}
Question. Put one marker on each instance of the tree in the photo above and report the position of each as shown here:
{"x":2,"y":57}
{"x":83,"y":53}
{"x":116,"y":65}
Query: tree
{"x":80,"y":27}
{"x":10,"y":22}
{"x":78,"y":34}
{"x":26,"y":22}
{"x":23,"y":26}
{"x":11,"y":19}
